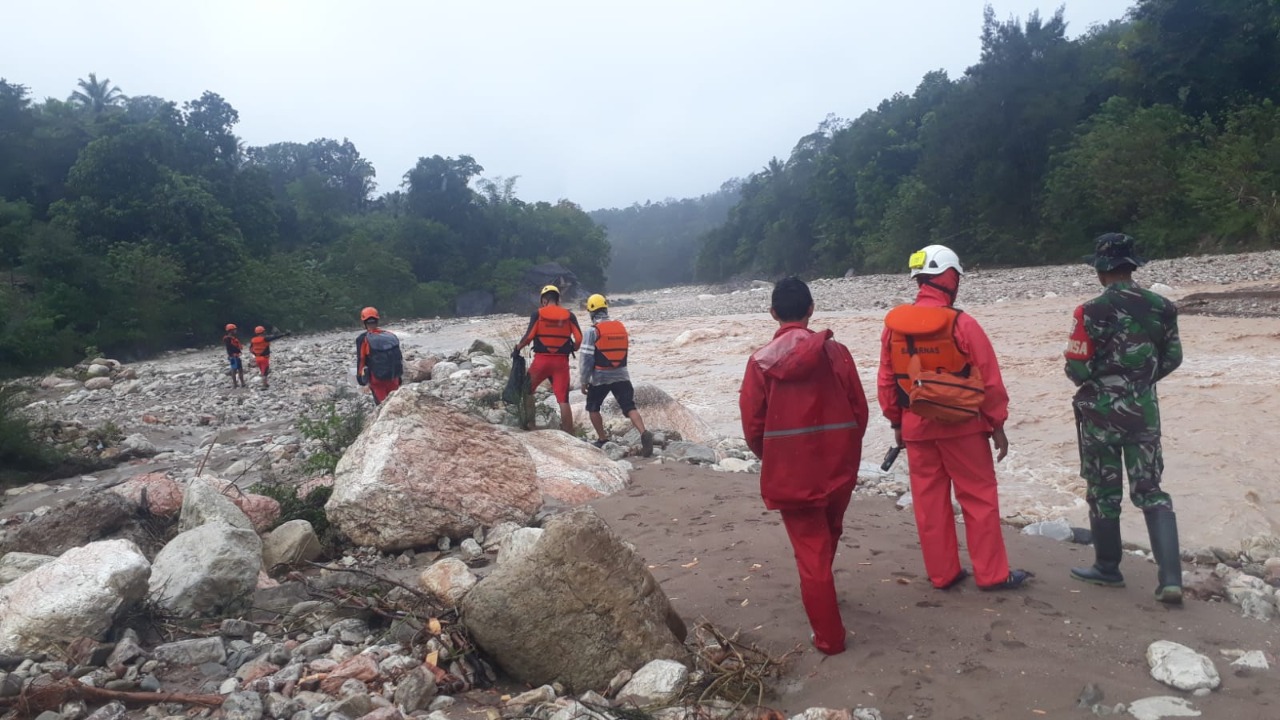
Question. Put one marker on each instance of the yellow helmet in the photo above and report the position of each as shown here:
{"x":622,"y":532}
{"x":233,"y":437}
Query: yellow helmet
{"x":549,"y":289}
{"x":597,"y":302}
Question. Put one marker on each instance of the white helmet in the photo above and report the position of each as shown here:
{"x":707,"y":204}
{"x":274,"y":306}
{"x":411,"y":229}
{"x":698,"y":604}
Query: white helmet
{"x":934,"y":260}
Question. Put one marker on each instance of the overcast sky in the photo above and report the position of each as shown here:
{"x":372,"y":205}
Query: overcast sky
{"x":604,"y":103}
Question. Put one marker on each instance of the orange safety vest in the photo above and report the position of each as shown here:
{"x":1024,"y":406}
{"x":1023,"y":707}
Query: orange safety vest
{"x":259,"y":346}
{"x":553,"y":332}
{"x":232,"y":344}
{"x":926,"y":332}
{"x":611,"y":345}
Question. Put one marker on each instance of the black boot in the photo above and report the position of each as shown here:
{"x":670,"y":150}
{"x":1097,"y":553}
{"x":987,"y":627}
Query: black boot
{"x":1162,"y":526}
{"x":1107,"y":554}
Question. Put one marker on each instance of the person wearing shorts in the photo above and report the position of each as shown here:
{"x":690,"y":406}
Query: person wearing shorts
{"x":234,"y":347}
{"x":604,"y":372}
{"x":554,"y":333}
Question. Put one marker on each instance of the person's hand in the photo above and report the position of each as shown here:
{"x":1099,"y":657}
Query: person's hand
{"x":1001,"y":443}
{"x":584,"y":389}
{"x":897,"y":437}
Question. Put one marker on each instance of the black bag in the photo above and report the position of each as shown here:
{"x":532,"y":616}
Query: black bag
{"x":517,"y":382}
{"x":384,"y":360}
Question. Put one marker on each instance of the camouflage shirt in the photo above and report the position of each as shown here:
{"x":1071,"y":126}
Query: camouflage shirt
{"x":1124,"y":341}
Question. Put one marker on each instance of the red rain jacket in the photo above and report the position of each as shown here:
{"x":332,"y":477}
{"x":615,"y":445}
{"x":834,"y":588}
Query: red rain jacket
{"x":803,"y":414}
{"x":973,"y":342}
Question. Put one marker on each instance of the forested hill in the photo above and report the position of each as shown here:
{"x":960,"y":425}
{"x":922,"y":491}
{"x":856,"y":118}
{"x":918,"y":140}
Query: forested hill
{"x":1163,"y":125}
{"x":655,"y":244}
{"x":135,"y":224}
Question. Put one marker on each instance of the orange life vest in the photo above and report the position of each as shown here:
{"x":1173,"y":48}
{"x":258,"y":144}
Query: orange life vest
{"x":232,"y":344}
{"x":935,"y":379}
{"x":611,"y":345}
{"x":553,"y":332}
{"x":260,"y":346}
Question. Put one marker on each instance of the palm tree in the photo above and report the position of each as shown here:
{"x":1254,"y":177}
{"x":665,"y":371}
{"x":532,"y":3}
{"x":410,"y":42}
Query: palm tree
{"x":97,"y":96}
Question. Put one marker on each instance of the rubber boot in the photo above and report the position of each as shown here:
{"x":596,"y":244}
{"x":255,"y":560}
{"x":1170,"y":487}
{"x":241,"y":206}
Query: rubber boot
{"x":1162,"y":526}
{"x":1107,"y":554}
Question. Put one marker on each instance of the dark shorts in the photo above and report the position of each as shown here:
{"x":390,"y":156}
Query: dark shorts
{"x":622,"y":391}
{"x":234,"y":360}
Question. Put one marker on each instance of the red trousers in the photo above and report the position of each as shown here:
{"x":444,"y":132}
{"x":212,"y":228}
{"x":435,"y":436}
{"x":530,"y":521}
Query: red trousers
{"x":965,"y":464}
{"x":814,"y":532}
{"x":382,"y":388}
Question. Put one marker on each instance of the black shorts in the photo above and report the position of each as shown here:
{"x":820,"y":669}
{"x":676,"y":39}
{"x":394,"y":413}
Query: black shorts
{"x":622,"y":392}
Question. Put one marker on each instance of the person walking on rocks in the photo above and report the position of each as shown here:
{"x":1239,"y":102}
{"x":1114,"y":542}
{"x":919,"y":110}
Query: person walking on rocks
{"x":260,"y":346}
{"x":379,"y":363}
{"x":232,"y":343}
{"x":939,"y":385}
{"x":603,"y":370}
{"x":1122,"y":343}
{"x":804,"y":414}
{"x":554,"y":333}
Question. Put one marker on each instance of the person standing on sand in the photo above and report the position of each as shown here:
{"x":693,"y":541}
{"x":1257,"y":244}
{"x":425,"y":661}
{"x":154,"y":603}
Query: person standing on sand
{"x":1122,"y":343}
{"x":604,"y":371}
{"x":939,"y":385}
{"x":804,"y":414}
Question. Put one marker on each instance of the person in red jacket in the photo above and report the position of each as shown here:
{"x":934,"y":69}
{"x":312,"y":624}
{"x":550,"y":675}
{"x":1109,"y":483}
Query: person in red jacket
{"x":379,"y":362}
{"x":804,"y":414}
{"x":950,"y":455}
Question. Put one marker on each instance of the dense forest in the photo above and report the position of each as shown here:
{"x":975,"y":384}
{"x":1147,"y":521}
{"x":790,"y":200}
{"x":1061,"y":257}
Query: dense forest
{"x":135,"y":224}
{"x":656,"y":244}
{"x":1163,"y":125}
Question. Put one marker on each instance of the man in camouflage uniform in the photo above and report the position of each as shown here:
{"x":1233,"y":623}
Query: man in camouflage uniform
{"x":1124,"y":341}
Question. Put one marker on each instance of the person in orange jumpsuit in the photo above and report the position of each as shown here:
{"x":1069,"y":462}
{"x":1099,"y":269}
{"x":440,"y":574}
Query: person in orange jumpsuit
{"x":555,"y":335}
{"x":953,"y":455}
{"x":260,"y":346}
{"x":804,"y":414}
{"x":379,"y":362}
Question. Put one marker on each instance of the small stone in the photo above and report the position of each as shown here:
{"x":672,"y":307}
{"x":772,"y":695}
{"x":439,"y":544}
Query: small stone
{"x":443,"y":544}
{"x":49,"y":715}
{"x":1252,"y":660}
{"x":415,"y":691}
{"x":113,"y":710}
{"x":351,"y":631}
{"x":277,"y":705}
{"x":228,"y":686}
{"x":1202,"y":692}
{"x":354,"y":705}
{"x":149,"y":683}
{"x":441,"y":702}
{"x":448,"y":579}
{"x":657,"y":683}
{"x":313,"y":648}
{"x":191,"y":652}
{"x":1181,"y":667}
{"x":236,"y":628}
{"x":536,"y":696}
{"x":1091,"y":695}
{"x":471,"y":550}
{"x":242,"y":706}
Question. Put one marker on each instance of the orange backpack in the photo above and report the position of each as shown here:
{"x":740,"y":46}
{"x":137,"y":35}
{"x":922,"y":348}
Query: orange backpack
{"x":936,"y":381}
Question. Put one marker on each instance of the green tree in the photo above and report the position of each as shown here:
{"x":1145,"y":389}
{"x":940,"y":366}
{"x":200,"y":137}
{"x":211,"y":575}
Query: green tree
{"x":96,"y":96}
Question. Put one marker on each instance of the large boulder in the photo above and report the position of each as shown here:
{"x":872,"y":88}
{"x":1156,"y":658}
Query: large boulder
{"x":96,"y":516}
{"x":206,"y":570}
{"x":422,"y":470}
{"x":578,"y":608}
{"x":570,"y":470}
{"x":162,"y":494}
{"x":202,"y":503}
{"x":77,"y":595}
{"x":663,"y":412}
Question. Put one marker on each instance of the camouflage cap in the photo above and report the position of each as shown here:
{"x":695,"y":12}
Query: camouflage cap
{"x":1113,"y":250}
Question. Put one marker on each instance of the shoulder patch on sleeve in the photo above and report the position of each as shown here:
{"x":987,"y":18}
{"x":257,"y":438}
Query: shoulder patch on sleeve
{"x":1079,"y":345}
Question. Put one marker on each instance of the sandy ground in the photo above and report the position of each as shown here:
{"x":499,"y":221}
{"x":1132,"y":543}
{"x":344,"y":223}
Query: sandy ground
{"x":1219,"y":409}
{"x":915,"y":651}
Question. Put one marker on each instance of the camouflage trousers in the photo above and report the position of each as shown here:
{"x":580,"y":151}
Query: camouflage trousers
{"x":1104,"y":460}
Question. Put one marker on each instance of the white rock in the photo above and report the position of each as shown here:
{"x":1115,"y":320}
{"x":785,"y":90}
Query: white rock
{"x":97,"y":371}
{"x":77,"y":595}
{"x":657,"y":683}
{"x":1252,"y":660}
{"x":518,"y":544}
{"x":443,"y":370}
{"x":498,"y":534}
{"x":905,"y":501}
{"x":97,"y":383}
{"x":1162,"y":706}
{"x":570,"y":470}
{"x":138,"y":446}
{"x":294,"y":541}
{"x":448,"y":579}
{"x":1181,"y":667}
{"x":733,"y":465}
{"x":202,"y":503}
{"x":206,"y":570}
{"x":14,"y":565}
{"x":1162,"y":289}
{"x":1059,"y":530}
{"x":471,"y":550}
{"x":816,"y":713}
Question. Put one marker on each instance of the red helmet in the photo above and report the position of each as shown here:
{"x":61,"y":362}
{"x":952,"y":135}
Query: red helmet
{"x":231,"y":327}
{"x":369,"y":313}
{"x":259,"y":330}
